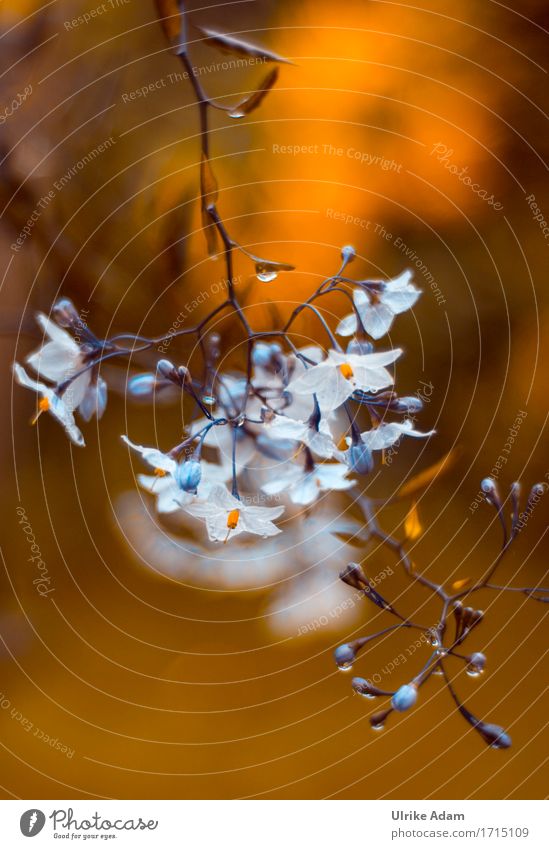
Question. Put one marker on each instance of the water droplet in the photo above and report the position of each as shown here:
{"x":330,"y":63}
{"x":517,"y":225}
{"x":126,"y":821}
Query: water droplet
{"x":367,"y":695}
{"x":434,"y":639}
{"x":379,"y":726}
{"x":473,"y":671}
{"x":266,"y":276}
{"x":438,"y":671}
{"x":241,"y":420}
{"x":344,"y":667}
{"x":210,"y":400}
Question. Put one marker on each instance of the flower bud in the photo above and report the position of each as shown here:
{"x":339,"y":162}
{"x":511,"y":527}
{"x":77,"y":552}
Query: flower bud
{"x":64,"y":313}
{"x":356,"y":346}
{"x":142,"y":385}
{"x":165,"y":369}
{"x":364,"y":688}
{"x":359,"y":458}
{"x":184,"y":375}
{"x":187,"y":475}
{"x":261,"y":354}
{"x":348,"y":253}
{"x":488,"y":486}
{"x":494,"y":735}
{"x":94,"y":401}
{"x":405,"y":697}
{"x":407,"y":404}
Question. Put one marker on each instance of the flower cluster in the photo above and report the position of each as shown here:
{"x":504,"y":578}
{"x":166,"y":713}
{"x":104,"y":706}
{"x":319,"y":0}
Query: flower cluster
{"x":295,"y":426}
{"x":288,"y":426}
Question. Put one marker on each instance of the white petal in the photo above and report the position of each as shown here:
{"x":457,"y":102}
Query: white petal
{"x":76,"y":390}
{"x":334,"y":476}
{"x":373,"y":379}
{"x":23,"y":378}
{"x":153,"y":456}
{"x":54,"y":363}
{"x":306,"y":491}
{"x":377,"y":320}
{"x":59,"y":336}
{"x":348,"y":325}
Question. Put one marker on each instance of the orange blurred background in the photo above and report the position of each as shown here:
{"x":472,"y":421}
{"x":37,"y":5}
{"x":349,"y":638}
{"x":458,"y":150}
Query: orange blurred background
{"x":165,"y":682}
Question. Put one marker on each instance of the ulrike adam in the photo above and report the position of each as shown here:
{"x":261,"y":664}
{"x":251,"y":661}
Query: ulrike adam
{"x":417,"y":815}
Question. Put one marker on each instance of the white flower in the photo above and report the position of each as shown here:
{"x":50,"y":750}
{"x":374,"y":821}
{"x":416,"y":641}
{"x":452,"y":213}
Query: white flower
{"x":221,"y":438}
{"x":164,"y":483}
{"x":225,"y":515}
{"x":59,"y":359}
{"x":390,"y":432}
{"x":305,"y":485}
{"x":171,"y":497}
{"x":377,"y":312}
{"x":52,"y":403}
{"x":320,"y":441}
{"x":339,"y":375}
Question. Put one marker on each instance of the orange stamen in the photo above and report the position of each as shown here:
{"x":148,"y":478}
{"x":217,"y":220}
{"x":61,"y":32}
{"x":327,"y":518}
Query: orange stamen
{"x":43,"y":407}
{"x":160,"y":473}
{"x":346,"y":371}
{"x":232,"y":519}
{"x":232,"y":522}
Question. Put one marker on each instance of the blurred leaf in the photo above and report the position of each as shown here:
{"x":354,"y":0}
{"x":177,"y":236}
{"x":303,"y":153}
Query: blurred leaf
{"x":412,"y":525}
{"x":461,"y":584}
{"x":237,"y":47}
{"x":256,"y":98}
{"x":424,"y":478}
{"x":208,"y":183}
{"x":171,"y":20}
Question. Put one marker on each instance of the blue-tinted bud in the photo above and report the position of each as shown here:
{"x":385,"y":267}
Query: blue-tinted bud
{"x":356,"y":347}
{"x":142,"y":385}
{"x":488,"y":486}
{"x":348,"y":253}
{"x":407,"y":404}
{"x":94,"y":401}
{"x":64,"y":313}
{"x":344,"y":656}
{"x":494,"y":735}
{"x":261,"y":354}
{"x":187,"y":475}
{"x":359,"y":458}
{"x":405,"y":697}
{"x":165,"y":368}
